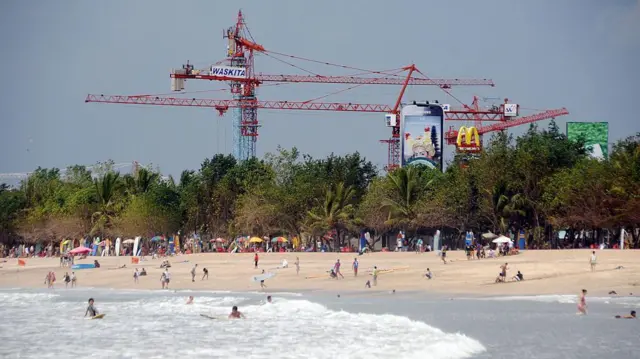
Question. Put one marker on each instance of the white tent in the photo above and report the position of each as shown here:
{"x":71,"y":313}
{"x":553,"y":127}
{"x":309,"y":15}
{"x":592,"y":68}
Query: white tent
{"x":502,"y":239}
{"x":489,"y":235}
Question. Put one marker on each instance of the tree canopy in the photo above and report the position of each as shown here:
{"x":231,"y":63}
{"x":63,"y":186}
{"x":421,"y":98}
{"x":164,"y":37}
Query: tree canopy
{"x":539,"y":182}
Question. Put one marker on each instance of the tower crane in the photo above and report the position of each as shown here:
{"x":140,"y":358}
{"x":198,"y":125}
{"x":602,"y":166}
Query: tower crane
{"x":238,"y":70}
{"x":465,"y":113}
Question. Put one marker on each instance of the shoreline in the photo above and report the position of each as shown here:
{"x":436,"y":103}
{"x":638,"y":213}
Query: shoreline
{"x":551,"y":272}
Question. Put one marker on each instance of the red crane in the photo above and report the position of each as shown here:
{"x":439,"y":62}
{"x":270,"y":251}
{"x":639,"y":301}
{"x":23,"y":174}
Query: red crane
{"x":238,"y":70}
{"x":461,"y":114}
{"x":243,"y":80}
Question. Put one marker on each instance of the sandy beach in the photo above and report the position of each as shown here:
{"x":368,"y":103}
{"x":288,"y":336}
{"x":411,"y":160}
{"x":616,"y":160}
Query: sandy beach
{"x":545,"y":272}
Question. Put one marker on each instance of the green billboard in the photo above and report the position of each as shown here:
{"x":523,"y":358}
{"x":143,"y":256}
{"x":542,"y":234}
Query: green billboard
{"x":595,"y":135}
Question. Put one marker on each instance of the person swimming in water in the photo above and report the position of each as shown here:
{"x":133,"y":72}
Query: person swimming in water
{"x":91,"y":310}
{"x":190,"y":300}
{"x":268,"y":299}
{"x":235,"y":313}
{"x":631,"y":315}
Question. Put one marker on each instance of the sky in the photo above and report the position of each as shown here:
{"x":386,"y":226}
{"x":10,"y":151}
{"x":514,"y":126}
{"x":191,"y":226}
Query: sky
{"x":543,"y":54}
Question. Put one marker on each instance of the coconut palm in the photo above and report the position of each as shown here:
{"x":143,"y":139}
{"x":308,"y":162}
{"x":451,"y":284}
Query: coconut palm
{"x":334,"y":212}
{"x":105,"y":187}
{"x":408,"y":183}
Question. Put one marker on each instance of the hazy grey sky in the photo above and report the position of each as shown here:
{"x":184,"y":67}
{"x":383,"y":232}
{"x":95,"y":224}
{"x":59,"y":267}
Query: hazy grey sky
{"x":581,"y":54}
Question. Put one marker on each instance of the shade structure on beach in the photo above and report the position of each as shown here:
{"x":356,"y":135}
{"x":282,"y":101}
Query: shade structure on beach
{"x":279,"y":240}
{"x":502,"y":239}
{"x":128,"y":241}
{"x":156,"y":238}
{"x":80,"y":250}
{"x":255,"y":240}
{"x":489,"y":235}
{"x":219,"y":240}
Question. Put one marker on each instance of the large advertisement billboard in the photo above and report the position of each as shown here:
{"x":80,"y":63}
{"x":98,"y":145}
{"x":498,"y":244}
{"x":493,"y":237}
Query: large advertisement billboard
{"x":595,"y":134}
{"x":421,"y":131}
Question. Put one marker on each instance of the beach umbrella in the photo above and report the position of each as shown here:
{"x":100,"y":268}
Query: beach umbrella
{"x":502,"y":239}
{"x":279,"y":240}
{"x":255,"y":240}
{"x":156,"y":238}
{"x":128,"y":241}
{"x":80,"y":250}
{"x":489,"y":235}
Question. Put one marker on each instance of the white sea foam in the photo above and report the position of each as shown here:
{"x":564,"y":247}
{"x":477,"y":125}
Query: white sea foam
{"x":160,"y":325}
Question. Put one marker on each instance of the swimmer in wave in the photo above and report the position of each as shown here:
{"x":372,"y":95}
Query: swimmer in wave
{"x":235,"y":313}
{"x":91,"y":310}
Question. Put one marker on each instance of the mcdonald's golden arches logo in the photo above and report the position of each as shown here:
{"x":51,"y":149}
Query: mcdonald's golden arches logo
{"x":468,"y":139}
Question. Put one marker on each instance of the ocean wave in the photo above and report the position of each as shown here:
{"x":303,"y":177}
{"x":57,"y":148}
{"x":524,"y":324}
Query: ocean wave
{"x":287,"y":328}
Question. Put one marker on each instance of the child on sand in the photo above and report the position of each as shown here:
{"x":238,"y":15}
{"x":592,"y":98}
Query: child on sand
{"x":593,"y":260}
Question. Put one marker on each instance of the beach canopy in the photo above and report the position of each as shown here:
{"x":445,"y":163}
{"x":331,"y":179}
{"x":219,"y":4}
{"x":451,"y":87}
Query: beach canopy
{"x":255,"y":240}
{"x":502,"y":239}
{"x":156,"y":238}
{"x":279,"y":240}
{"x":489,"y":235}
{"x":128,"y":241}
{"x":80,"y":250}
{"x":219,"y":240}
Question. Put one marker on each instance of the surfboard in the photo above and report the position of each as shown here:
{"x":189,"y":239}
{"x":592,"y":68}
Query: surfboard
{"x":210,"y":317}
{"x":261,"y":277}
{"x":99,"y":316}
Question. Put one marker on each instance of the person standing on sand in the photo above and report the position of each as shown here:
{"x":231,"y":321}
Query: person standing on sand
{"x":375,"y":276}
{"x":336,"y":269}
{"x":443,"y":254}
{"x":255,"y":260}
{"x":355,"y":267}
{"x":582,"y":303}
{"x":593,"y":260}
{"x":193,"y":273}
{"x":165,"y":278}
{"x":297,"y":265}
{"x":136,"y":275}
{"x":205,"y":273}
{"x":73,"y":279}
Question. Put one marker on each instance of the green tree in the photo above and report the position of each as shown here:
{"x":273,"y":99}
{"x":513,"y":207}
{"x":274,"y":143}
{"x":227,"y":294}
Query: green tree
{"x":335,"y":213}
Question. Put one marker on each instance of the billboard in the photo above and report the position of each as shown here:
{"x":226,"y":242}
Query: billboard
{"x":421,"y":131}
{"x":595,"y":134}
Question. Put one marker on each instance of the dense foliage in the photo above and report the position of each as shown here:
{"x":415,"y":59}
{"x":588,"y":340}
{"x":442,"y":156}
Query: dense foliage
{"x":539,"y":182}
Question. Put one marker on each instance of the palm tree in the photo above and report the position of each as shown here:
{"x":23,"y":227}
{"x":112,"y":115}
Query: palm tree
{"x":507,"y":206}
{"x":334,"y":213}
{"x":105,"y":188}
{"x":408,"y":184}
{"x":140,"y":182}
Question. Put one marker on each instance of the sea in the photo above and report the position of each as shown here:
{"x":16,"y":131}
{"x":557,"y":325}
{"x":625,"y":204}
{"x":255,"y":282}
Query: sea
{"x":315,"y":325}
